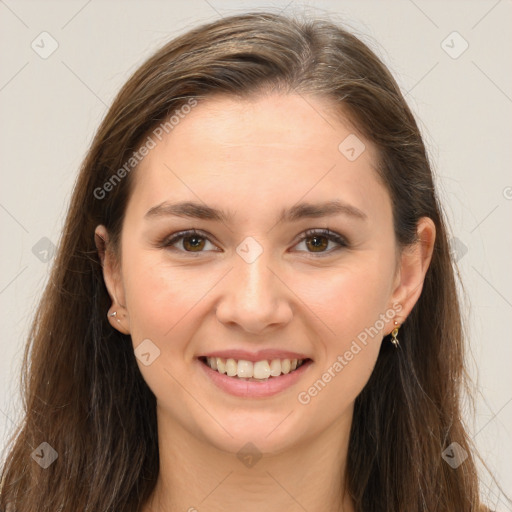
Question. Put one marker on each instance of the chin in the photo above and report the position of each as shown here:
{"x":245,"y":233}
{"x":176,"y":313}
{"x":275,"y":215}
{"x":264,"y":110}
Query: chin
{"x":259,"y":431}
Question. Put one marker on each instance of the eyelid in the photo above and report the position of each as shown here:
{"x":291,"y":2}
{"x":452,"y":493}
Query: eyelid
{"x":327,"y":233}
{"x":170,"y":240}
{"x":333,"y":236}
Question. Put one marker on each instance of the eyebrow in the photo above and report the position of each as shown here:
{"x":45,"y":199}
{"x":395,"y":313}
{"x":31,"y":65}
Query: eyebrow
{"x":193,"y":210}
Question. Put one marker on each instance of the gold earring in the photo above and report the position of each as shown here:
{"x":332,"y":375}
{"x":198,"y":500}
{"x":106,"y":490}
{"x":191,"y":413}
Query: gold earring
{"x":394,"y":334}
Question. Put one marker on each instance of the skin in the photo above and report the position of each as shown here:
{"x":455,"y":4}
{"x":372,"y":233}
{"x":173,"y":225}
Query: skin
{"x":253,"y":158}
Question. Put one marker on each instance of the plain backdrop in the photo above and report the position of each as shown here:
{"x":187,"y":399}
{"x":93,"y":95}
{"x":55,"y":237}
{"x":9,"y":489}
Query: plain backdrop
{"x":451,"y":58}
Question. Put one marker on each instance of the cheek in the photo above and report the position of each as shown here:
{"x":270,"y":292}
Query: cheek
{"x":350,"y":310}
{"x":161,"y":301}
{"x":351,"y":305}
{"x":350,"y":298}
{"x":157,"y":293}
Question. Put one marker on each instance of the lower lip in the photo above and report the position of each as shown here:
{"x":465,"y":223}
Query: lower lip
{"x":250,"y":389}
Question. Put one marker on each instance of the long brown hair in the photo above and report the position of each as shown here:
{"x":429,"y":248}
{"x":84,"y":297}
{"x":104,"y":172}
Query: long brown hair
{"x":83,"y":392}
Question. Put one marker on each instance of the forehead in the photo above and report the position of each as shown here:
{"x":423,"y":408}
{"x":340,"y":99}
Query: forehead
{"x":257,"y":151}
{"x":275,"y":123}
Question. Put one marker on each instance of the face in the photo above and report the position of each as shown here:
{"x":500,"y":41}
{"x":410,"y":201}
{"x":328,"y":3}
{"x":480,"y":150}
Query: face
{"x":271,"y":280}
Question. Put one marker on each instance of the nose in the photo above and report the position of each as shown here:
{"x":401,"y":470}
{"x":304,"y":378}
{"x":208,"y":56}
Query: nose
{"x":254,"y":298}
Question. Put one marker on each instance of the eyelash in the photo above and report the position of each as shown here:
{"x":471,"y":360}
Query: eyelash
{"x":310,"y":233}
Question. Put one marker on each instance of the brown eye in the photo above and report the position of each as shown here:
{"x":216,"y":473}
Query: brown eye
{"x":188,"y":242}
{"x":317,"y":244}
{"x":193,"y":243}
{"x":317,"y":241}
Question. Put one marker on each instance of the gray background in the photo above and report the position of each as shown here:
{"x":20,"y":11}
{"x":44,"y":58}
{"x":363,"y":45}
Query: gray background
{"x":52,"y":104}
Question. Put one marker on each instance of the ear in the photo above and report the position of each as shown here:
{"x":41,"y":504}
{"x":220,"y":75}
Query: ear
{"x":414,"y":263}
{"x":113,"y":281}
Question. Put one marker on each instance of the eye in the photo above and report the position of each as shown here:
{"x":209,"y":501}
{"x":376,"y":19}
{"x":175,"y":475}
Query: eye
{"x":191,"y":241}
{"x":316,"y":241}
{"x":320,"y":239}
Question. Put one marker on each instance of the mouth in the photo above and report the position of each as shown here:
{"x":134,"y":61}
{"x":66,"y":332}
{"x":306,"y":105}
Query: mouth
{"x":249,"y":371}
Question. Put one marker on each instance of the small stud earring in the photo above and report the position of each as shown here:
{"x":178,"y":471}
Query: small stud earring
{"x":114,"y":315}
{"x":394,"y":334}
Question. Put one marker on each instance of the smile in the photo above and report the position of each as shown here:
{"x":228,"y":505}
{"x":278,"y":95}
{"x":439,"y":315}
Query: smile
{"x":254,"y":371}
{"x":263,"y":378}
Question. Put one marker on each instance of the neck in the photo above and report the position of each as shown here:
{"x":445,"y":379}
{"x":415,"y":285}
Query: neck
{"x":196,"y":476}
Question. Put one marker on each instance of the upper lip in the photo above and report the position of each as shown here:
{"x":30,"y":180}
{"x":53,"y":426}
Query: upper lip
{"x":260,"y":355}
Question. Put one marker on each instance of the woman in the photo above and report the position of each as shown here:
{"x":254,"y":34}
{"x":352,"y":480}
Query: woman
{"x":253,"y":303}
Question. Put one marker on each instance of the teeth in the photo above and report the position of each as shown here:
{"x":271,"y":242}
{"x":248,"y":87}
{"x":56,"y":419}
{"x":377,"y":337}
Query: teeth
{"x":275,"y":367}
{"x":245,"y":369}
{"x":231,"y":367}
{"x":219,"y":363}
{"x":261,"y":370}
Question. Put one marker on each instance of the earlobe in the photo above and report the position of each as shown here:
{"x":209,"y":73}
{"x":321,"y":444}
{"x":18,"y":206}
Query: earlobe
{"x":414,"y":263}
{"x":117,"y":314}
{"x":117,"y":321}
